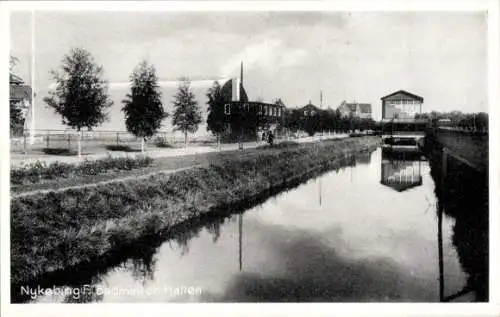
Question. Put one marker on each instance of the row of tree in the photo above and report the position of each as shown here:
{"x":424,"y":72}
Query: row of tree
{"x":325,"y":120}
{"x":468,"y":121}
{"x":81,"y":99}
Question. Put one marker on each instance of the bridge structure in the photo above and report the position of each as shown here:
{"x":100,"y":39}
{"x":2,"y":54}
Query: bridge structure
{"x":401,"y":130}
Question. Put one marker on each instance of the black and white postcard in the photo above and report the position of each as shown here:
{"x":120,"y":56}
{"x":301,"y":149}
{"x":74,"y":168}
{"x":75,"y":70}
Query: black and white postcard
{"x":250,"y":152}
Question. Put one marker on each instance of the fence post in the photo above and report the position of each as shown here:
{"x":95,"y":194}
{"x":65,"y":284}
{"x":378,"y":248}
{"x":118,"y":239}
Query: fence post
{"x":117,"y":138}
{"x":25,"y":148}
{"x":48,"y":140}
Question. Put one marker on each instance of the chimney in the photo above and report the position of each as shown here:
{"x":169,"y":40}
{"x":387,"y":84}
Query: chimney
{"x":236,"y":86}
{"x":241,"y":73}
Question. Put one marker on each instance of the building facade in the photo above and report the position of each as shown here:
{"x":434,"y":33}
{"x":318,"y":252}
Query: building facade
{"x":401,"y":105}
{"x":20,"y":95}
{"x":309,"y":110}
{"x":243,"y":119}
{"x":355,"y":109}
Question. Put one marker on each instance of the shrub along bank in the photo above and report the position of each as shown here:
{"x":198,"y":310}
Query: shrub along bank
{"x":56,"y":230}
{"x":36,"y":172}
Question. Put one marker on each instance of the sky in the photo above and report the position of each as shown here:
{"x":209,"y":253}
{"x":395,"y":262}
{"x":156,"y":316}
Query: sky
{"x":353,"y":56}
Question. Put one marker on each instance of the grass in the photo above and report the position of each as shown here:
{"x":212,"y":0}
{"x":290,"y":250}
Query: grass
{"x":39,"y":171}
{"x":55,"y":230}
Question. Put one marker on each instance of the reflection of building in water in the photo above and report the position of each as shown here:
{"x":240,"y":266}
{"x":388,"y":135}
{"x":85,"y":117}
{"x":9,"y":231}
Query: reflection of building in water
{"x":401,"y":175}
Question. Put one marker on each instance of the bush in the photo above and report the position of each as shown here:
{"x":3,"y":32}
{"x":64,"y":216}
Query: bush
{"x":281,"y":145}
{"x":120,"y":148}
{"x":162,"y":143}
{"x":35,"y":172}
{"x":58,"y":151}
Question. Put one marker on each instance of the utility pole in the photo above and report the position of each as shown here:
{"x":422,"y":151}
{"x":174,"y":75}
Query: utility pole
{"x":32,"y":127}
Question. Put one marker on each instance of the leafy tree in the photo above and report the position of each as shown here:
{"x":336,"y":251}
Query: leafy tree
{"x":143,"y":107}
{"x":215,"y":117}
{"x":81,"y":95}
{"x":187,"y":113}
{"x":293,"y":119}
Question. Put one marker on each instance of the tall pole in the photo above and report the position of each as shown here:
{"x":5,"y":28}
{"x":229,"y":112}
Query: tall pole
{"x":32,"y":126}
{"x":240,"y":236}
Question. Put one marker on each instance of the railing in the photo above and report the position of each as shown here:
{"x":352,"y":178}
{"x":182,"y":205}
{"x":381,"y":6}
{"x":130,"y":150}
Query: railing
{"x":93,"y":140}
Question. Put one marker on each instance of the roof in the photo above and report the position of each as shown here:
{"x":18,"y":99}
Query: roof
{"x":14,"y":79}
{"x":400,"y":187}
{"x":365,"y":108}
{"x":227,"y":92}
{"x":403,"y":93}
{"x":309,"y":106}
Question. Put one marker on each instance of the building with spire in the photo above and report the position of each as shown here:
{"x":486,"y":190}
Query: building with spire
{"x":244,"y":118}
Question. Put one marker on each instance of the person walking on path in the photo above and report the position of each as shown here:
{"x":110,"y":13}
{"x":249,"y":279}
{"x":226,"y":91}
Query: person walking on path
{"x":270,"y":138}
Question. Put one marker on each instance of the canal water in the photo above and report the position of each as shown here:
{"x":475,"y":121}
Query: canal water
{"x":367,"y":232}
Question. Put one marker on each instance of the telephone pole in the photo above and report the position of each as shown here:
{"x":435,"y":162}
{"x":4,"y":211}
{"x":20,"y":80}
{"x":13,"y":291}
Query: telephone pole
{"x":32,"y":126}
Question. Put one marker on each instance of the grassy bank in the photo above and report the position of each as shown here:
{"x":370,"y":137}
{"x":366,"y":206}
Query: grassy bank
{"x":56,"y":230}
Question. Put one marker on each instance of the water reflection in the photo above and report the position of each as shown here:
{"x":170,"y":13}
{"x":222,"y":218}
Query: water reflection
{"x":462,"y":194}
{"x":401,"y":173}
{"x":342,"y":237}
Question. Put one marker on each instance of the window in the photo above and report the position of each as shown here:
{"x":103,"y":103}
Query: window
{"x":260,"y":109}
{"x":305,"y":112}
{"x":227,"y":108}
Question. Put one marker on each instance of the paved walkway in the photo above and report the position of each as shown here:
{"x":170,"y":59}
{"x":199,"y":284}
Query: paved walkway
{"x":17,"y":160}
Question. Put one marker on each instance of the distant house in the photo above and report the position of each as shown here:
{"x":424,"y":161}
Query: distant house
{"x":401,"y":105}
{"x":355,"y":109}
{"x":309,"y":110}
{"x":19,"y":93}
